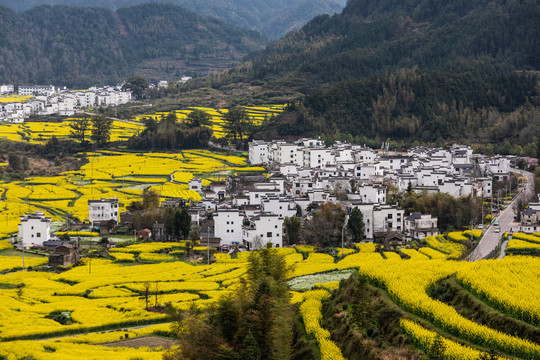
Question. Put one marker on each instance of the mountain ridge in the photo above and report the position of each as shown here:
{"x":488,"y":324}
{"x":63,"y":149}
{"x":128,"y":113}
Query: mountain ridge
{"x":82,"y":46}
{"x":273,"y":18}
{"x":406,"y":70}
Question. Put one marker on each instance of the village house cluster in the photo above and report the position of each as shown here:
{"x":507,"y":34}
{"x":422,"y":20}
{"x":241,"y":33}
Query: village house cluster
{"x":48,"y":100}
{"x":250,"y":209}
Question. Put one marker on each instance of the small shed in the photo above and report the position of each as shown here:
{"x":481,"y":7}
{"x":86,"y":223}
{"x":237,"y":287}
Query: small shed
{"x":53,"y":244}
{"x":144,"y":235}
{"x":64,"y":255}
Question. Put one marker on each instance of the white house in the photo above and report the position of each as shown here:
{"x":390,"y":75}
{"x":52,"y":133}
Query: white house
{"x":318,"y":157}
{"x":305,"y":142}
{"x":258,"y":152}
{"x":195,"y":184}
{"x":255,"y":196}
{"x":418,"y":226}
{"x":103,"y":210}
{"x":36,"y":90}
{"x":34,"y":229}
{"x":283,"y":207}
{"x":66,"y":106}
{"x":289,"y":154}
{"x":228,"y":225}
{"x":372,"y":193}
{"x":364,"y":154}
{"x":368,"y":171}
{"x":7,"y":89}
{"x":387,"y":218}
{"x":263,"y":229}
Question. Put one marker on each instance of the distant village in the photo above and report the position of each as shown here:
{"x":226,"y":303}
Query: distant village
{"x":249,"y":210}
{"x":49,"y":100}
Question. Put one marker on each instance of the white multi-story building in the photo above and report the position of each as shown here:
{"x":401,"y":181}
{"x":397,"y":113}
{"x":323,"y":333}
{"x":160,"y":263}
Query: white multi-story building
{"x":7,"y":89}
{"x":103,"y":210}
{"x":368,"y":171}
{"x":263,"y":229}
{"x":374,"y":194}
{"x":283,"y":207}
{"x":387,"y":218}
{"x":318,"y":157}
{"x":47,"y":90}
{"x":500,"y":166}
{"x":418,"y":226}
{"x":258,"y":152}
{"x":289,"y":154}
{"x":34,"y":229}
{"x":66,"y":106}
{"x":310,"y":142}
{"x":228,"y":226}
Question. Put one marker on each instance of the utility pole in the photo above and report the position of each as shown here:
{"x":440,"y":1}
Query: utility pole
{"x":342,"y":229}
{"x":472,"y":227}
{"x":342,"y":233}
{"x":208,"y":244}
{"x":482,"y":212}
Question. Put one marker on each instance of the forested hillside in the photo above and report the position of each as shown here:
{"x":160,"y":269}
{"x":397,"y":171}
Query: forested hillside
{"x":410,"y":69}
{"x":273,"y":18}
{"x":81,"y":46}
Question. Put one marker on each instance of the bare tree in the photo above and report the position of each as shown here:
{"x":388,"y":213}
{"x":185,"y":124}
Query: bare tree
{"x":146,"y":293}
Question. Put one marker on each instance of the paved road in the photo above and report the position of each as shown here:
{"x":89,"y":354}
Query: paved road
{"x":503,"y":249}
{"x":490,"y":241}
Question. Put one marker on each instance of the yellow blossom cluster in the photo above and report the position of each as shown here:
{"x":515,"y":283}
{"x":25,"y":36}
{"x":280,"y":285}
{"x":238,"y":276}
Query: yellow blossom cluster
{"x":439,"y":243}
{"x":310,"y":310}
{"x":423,"y":338}
{"x":257,"y":115}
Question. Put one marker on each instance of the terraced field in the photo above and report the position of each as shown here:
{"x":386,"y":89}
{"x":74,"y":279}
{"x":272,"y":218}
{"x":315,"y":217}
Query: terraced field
{"x":110,"y":174}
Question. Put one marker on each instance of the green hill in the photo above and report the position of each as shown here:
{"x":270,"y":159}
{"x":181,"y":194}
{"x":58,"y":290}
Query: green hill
{"x":273,"y":18}
{"x":81,"y":46}
{"x":427,"y":70}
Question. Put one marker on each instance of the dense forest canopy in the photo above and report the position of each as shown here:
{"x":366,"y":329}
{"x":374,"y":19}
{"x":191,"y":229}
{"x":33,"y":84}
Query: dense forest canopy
{"x":84,"y":46}
{"x":273,"y":18}
{"x":376,"y":37}
{"x":406,"y":70}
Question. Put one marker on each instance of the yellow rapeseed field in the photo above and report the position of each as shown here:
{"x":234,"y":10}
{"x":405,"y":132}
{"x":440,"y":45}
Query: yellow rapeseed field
{"x":114,"y":174}
{"x":257,"y":114}
{"x":105,"y":294}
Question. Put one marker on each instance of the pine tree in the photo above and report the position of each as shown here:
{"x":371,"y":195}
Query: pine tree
{"x":437,"y":349}
{"x":101,"y":130}
{"x":356,"y":224}
{"x":251,"y":350}
{"x":185,"y":222}
{"x":80,"y":128}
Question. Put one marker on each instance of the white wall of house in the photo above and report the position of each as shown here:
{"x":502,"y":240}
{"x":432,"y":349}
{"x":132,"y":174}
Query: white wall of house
{"x":103,"y":210}
{"x":387,"y":218}
{"x":228,"y":225}
{"x":367,"y":172}
{"x":34,"y":229}
{"x":195,"y":184}
{"x":283,"y":207}
{"x":289,"y":154}
{"x":318,"y":158}
{"x":263,"y":228}
{"x":255,"y":196}
{"x":367,"y":215}
{"x":364,"y":155}
{"x":258,"y":152}
{"x":372,"y":194}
